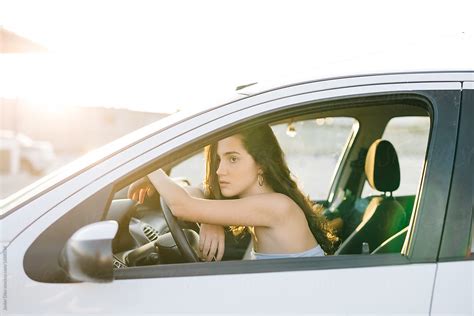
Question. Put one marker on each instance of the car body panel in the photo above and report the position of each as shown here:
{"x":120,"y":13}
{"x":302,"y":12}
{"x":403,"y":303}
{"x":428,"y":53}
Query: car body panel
{"x":453,"y":292}
{"x":364,"y":290}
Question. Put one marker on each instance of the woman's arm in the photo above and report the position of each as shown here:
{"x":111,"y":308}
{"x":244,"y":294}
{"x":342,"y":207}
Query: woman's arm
{"x":265,"y":210}
{"x":211,"y":237}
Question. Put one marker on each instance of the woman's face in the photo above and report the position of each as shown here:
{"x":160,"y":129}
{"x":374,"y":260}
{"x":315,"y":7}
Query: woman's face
{"x":237,"y":170}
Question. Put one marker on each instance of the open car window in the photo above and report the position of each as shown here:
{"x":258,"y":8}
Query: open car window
{"x":326,"y":155}
{"x":312,"y":147}
{"x":325,"y":151}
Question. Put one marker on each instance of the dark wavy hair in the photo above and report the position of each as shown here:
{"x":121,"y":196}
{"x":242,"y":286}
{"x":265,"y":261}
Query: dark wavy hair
{"x":261,"y":143}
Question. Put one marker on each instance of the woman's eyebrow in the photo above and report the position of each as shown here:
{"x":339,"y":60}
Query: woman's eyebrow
{"x":229,"y":153}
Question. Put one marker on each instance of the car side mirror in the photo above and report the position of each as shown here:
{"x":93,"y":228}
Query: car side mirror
{"x":87,"y":255}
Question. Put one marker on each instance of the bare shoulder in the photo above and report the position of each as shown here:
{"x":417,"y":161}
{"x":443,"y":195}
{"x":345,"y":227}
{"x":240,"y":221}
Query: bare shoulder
{"x":283,"y":200}
{"x":275,"y":202}
{"x":269,"y":197}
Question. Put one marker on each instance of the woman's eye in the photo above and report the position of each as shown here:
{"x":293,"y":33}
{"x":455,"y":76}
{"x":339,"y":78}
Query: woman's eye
{"x":233,"y":159}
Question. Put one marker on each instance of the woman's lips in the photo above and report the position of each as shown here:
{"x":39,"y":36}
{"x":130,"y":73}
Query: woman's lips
{"x":221,"y":183}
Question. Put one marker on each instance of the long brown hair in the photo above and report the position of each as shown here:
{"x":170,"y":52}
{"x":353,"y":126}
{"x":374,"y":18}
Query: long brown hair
{"x":261,"y":143}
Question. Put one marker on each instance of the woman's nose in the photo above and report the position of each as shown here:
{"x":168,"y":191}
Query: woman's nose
{"x":220,"y":169}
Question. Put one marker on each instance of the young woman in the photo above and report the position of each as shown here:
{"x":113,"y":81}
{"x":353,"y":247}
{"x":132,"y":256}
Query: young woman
{"x":248,"y":185}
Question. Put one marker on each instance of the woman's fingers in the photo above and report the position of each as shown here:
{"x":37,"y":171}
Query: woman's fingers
{"x":202,"y":239}
{"x":130,"y":192}
{"x":206,"y":247}
{"x":138,"y":195}
{"x":132,"y":189}
{"x":212,"y":250}
{"x":149,"y":191}
{"x":220,"y":248}
{"x":211,"y":242}
{"x":135,"y":190}
{"x":141,"y":195}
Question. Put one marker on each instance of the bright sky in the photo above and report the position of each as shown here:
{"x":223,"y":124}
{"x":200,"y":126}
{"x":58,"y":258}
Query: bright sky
{"x":164,"y":55}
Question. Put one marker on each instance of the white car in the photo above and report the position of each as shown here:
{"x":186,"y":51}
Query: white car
{"x":33,"y":156}
{"x":73,"y":244}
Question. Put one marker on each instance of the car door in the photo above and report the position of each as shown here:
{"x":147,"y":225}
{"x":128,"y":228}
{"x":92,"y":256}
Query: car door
{"x":335,"y":284}
{"x":453,"y":291}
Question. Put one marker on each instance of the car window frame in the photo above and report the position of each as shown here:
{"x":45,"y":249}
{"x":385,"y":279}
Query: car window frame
{"x":229,"y":123}
{"x":332,"y":262}
{"x":429,"y":207}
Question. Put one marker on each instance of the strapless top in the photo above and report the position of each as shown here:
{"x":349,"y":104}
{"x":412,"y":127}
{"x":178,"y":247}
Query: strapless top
{"x":313,"y":252}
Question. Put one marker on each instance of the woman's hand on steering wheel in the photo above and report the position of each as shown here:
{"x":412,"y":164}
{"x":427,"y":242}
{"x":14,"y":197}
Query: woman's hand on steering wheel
{"x":139,"y":189}
{"x":211,"y":242}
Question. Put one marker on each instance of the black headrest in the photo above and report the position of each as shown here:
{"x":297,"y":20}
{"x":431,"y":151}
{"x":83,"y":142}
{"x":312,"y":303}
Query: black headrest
{"x":381,"y":166}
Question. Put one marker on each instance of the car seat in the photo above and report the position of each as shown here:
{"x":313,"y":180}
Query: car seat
{"x":384,"y":216}
{"x":394,"y":244}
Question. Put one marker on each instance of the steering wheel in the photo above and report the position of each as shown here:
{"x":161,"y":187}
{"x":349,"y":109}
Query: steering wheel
{"x":182,"y":238}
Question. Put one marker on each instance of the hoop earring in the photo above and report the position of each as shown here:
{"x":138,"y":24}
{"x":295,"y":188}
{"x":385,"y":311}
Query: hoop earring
{"x":260,"y":179}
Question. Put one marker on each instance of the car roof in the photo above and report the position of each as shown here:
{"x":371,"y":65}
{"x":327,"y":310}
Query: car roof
{"x":336,"y":74}
{"x":452,"y":54}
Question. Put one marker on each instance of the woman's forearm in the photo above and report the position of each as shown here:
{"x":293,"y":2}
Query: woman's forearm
{"x":175,"y":196}
{"x":264,"y":210}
